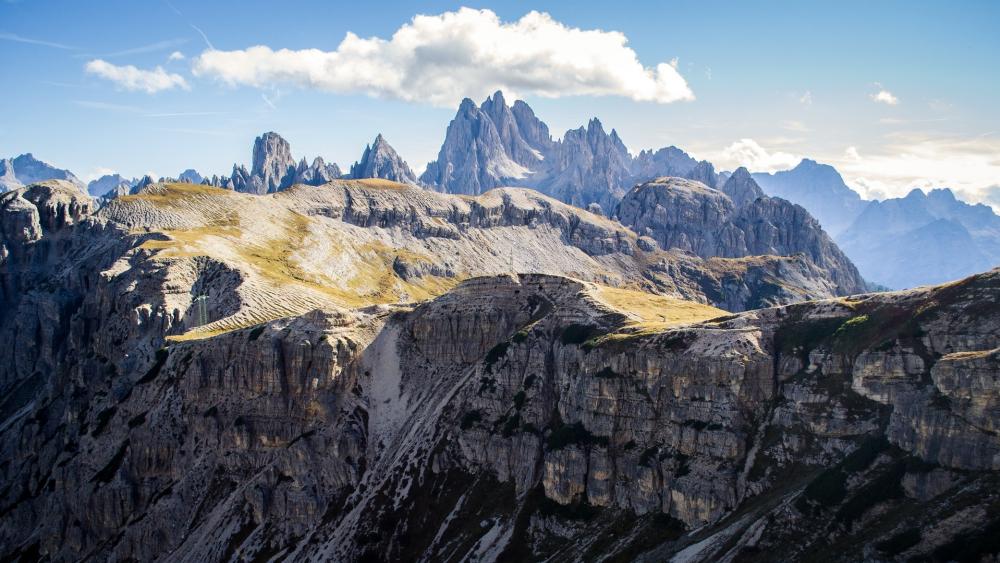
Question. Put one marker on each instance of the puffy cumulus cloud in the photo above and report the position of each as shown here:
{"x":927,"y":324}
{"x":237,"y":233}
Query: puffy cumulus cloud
{"x":440,"y":59}
{"x":132,"y":78}
{"x":176,"y":56}
{"x":884,"y":96}
{"x":749,"y":153}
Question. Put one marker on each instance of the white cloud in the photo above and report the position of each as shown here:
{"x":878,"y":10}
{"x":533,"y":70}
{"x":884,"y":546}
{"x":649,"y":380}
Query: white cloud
{"x":442,"y":58}
{"x":749,"y":153}
{"x":176,"y":56}
{"x":967,"y":166}
{"x":884,"y":96}
{"x":852,"y":153}
{"x":806,"y":99}
{"x":132,"y":78}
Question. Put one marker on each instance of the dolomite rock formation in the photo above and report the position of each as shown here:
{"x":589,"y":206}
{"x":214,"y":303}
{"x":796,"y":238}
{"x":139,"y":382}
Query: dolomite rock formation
{"x":737,"y":220}
{"x":511,"y":417}
{"x":380,"y":160}
{"x":495,"y":145}
{"x":273,"y":169}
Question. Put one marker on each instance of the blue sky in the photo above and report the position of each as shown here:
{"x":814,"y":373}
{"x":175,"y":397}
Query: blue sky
{"x":763,"y":83}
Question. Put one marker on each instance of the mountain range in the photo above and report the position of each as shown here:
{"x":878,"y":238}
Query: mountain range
{"x":495,"y":144}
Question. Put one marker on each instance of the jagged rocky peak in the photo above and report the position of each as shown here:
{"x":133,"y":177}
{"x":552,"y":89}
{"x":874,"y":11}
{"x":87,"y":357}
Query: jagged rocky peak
{"x":742,"y":188}
{"x":532,"y":129}
{"x":318,"y":173}
{"x":380,"y":160}
{"x":473,"y":158}
{"x":273,"y":167}
{"x":516,"y":144}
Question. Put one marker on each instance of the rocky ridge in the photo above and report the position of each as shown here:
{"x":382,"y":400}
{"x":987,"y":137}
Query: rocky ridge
{"x":736,"y":220}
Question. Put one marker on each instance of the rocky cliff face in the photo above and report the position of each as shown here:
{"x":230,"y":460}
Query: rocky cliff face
{"x":380,"y":160}
{"x":514,"y":417}
{"x":690,"y":216}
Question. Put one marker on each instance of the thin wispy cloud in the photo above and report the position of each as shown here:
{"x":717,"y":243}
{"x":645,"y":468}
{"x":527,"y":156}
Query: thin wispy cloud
{"x":30,"y":41}
{"x":106,"y":106}
{"x":185,"y":114}
{"x":806,"y":99}
{"x":142,"y":49}
{"x":203,"y":36}
{"x":440,"y":59}
{"x":135,"y":79}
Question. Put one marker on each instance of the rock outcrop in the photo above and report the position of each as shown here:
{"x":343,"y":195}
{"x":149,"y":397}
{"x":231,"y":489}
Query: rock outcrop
{"x":737,"y":220}
{"x":380,"y":160}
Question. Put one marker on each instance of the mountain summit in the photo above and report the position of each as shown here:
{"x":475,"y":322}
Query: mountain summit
{"x":380,"y":160}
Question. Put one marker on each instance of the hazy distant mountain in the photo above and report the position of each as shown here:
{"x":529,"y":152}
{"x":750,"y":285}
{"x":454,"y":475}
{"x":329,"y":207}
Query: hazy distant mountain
{"x":922,"y":239}
{"x":109,"y":183}
{"x":26,"y":169}
{"x":190,"y":175}
{"x":820,"y":189}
